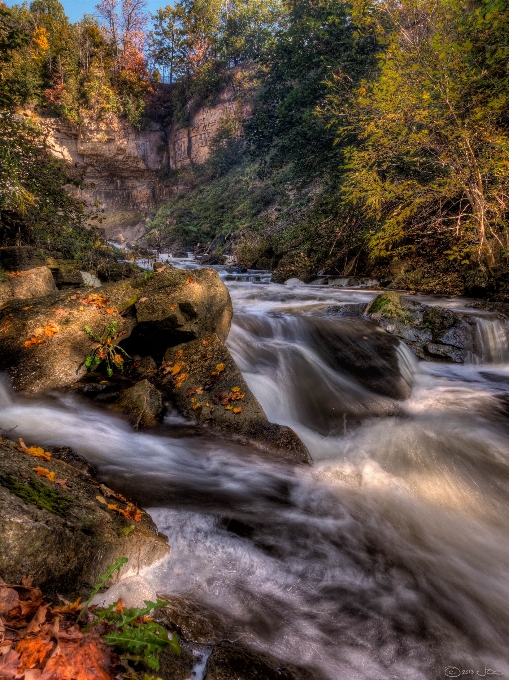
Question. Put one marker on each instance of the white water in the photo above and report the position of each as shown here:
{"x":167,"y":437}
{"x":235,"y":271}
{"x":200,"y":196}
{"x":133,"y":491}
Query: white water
{"x":387,"y":559}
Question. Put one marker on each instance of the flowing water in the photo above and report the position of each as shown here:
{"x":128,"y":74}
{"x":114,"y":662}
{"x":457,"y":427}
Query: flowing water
{"x":389,"y":557}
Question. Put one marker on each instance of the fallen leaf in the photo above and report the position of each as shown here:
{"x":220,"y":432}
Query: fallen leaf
{"x":235,"y":389}
{"x":181,"y":379}
{"x":51,"y":329}
{"x":40,"y":617}
{"x":208,"y":405}
{"x":179,"y":354}
{"x":9,"y":664}
{"x":9,"y":599}
{"x":173,"y":307}
{"x":228,"y":408}
{"x":62,"y":483}
{"x":22,"y":445}
{"x":194,"y":390}
{"x":34,"y":651}
{"x":120,"y":607}
{"x":220,"y":367}
{"x":189,"y":280}
{"x":86,"y":659}
{"x":143,"y":299}
{"x":196,"y":407}
{"x":38,"y":452}
{"x":238,"y":409}
{"x":111,"y":310}
{"x":176,"y":368}
{"x":27,"y":581}
{"x":68,"y":608}
{"x":34,"y":341}
{"x":43,"y":472}
{"x":205,"y":343}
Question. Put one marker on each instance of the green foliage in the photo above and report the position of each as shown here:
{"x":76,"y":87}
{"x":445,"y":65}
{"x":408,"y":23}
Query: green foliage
{"x":319,"y":38}
{"x":433,"y":130}
{"x":38,"y":493}
{"x":106,"y":350}
{"x":103,"y":578}
{"x":134,"y":632}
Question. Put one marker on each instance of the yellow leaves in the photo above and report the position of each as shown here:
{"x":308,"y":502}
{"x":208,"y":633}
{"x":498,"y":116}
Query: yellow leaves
{"x":219,"y":369}
{"x":238,"y":409}
{"x":180,"y":380}
{"x":235,"y":389}
{"x":40,"y":39}
{"x":176,"y":368}
{"x":44,"y":472}
{"x":118,"y":359}
{"x":36,"y":451}
{"x":197,"y":406}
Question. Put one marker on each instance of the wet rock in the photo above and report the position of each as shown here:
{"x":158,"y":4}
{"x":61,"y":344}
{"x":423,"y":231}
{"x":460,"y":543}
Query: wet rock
{"x":434,"y":333}
{"x":194,"y":621}
{"x":44,"y":345}
{"x":143,"y":403}
{"x":205,"y":384}
{"x":355,"y":309}
{"x":62,"y":534}
{"x":173,"y":667}
{"x":22,"y":285}
{"x":232,"y":661}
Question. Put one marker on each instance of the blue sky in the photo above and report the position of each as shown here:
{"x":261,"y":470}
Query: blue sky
{"x":75,"y":9}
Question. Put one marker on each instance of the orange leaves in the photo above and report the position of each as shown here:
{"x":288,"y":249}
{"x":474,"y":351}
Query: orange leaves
{"x":15,"y":275}
{"x":40,"y":335}
{"x":118,"y":359}
{"x":205,"y":343}
{"x":51,"y":646}
{"x":111,"y":310}
{"x":96,"y":299}
{"x":44,"y":472}
{"x":224,"y":398}
{"x":176,"y":368}
{"x":130,"y":512}
{"x":36,"y":451}
{"x":194,"y":390}
{"x":181,"y":379}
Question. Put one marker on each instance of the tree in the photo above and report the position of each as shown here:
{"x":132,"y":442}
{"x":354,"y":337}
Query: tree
{"x":317,"y":38}
{"x":434,"y":130}
{"x":167,"y":41}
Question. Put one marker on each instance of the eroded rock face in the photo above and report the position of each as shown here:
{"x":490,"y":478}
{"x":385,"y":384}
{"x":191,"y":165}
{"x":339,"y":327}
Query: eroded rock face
{"x":205,"y":384}
{"x":65,"y":537}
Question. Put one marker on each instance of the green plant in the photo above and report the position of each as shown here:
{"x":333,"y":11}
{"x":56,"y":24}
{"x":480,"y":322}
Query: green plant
{"x":133,"y":631}
{"x":110,"y":570}
{"x":106,"y":350}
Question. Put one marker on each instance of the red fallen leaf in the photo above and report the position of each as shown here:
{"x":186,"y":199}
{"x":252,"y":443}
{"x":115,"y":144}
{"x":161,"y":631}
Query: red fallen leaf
{"x":85,"y":659}
{"x":34,"y":651}
{"x":62,"y":483}
{"x":205,"y":343}
{"x":119,"y":607}
{"x":27,"y":581}
{"x":194,"y":390}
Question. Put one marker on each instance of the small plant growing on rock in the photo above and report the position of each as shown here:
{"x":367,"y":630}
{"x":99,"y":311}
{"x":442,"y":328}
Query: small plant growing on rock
{"x":106,"y":350}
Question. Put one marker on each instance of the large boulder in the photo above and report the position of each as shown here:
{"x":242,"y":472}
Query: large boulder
{"x":62,"y":527}
{"x":143,"y":403}
{"x":205,"y":384}
{"x":25,"y":284}
{"x":434,"y":333}
{"x":44,"y":345}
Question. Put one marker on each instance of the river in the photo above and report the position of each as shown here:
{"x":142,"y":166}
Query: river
{"x":389,"y":557}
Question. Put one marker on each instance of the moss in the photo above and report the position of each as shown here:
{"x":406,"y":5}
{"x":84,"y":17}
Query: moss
{"x":39,"y":494}
{"x":388,"y":304}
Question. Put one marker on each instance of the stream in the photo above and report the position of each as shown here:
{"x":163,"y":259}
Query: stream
{"x":386,"y":559}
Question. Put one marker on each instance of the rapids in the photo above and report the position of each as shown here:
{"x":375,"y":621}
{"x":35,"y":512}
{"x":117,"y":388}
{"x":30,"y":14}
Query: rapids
{"x":389,"y":557}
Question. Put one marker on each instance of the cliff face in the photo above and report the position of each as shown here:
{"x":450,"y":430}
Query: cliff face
{"x":122,"y":165}
{"x":193,"y":144}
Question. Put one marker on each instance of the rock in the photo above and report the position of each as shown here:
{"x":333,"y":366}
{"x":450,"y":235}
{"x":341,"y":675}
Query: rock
{"x":146,"y":365}
{"x":355,"y":309}
{"x":193,"y":621}
{"x":26,"y":284}
{"x":294,"y":282}
{"x":143,"y":403}
{"x":175,"y":306}
{"x":65,"y":537}
{"x":232,"y":661}
{"x":433,"y":333}
{"x":44,"y":345}
{"x":207,"y":387}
